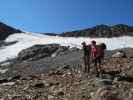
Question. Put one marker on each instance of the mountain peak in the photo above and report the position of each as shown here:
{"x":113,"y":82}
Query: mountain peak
{"x":102,"y":31}
{"x":6,"y":30}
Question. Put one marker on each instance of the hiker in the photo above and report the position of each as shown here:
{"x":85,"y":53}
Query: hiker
{"x":97,"y":55}
{"x":93,"y":54}
{"x":86,"y":57}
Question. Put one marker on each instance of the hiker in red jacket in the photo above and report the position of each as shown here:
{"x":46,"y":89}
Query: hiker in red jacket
{"x":93,"y":50}
{"x":94,"y":55}
{"x":97,"y":55}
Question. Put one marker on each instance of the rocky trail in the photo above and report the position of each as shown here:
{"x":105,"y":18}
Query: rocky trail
{"x":69,"y":83}
{"x":56,"y":75}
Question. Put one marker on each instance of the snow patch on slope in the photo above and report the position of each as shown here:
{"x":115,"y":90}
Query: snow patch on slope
{"x":26,"y":40}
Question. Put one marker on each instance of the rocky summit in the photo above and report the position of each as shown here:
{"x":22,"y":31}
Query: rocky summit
{"x":102,"y":31}
{"x":58,"y":75}
{"x":6,"y":30}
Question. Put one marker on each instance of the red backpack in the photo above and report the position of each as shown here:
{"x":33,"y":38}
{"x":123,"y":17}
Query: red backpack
{"x":93,"y":51}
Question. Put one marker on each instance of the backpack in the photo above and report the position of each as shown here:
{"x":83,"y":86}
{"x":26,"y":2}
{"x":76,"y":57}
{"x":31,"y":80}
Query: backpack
{"x":93,"y":51}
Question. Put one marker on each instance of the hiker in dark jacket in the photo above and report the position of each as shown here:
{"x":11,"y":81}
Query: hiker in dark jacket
{"x":86,"y":57}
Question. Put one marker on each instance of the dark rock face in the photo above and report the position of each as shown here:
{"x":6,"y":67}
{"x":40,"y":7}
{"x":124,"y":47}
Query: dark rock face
{"x":37,"y":51}
{"x":50,"y":34}
{"x":3,"y":43}
{"x":102,"y":31}
{"x":41,"y":51}
{"x":6,"y":30}
{"x":62,"y":50}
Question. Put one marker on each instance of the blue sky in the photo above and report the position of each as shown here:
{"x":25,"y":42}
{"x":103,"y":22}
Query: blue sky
{"x":64,"y":15}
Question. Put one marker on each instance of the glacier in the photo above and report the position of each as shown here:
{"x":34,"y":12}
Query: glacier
{"x":26,"y":40}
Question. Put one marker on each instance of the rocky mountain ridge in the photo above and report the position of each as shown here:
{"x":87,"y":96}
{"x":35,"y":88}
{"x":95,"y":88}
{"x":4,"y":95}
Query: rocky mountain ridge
{"x":96,"y":31}
{"x":6,"y":30}
{"x":102,"y":31}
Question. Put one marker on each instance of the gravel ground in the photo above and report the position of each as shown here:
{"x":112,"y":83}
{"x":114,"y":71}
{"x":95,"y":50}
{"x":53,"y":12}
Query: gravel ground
{"x":59,"y":78}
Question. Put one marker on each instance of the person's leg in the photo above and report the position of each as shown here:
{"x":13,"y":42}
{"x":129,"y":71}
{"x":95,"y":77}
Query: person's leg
{"x":96,"y":68}
{"x":85,"y":64}
{"x":99,"y":63}
{"x":100,"y":67}
{"x":88,"y":64}
{"x":95,"y":65}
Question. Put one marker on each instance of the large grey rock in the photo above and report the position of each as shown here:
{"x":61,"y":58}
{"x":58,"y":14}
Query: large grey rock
{"x":119,"y":54}
{"x":37,"y":51}
{"x":129,"y":70}
{"x":62,"y":50}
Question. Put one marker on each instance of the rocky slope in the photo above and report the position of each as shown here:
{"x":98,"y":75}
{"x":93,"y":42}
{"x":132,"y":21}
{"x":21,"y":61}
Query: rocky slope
{"x":102,"y":31}
{"x":60,"y":77}
{"x":68,"y":83}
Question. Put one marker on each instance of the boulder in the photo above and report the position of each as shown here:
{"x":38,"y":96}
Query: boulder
{"x":3,"y":71}
{"x":105,"y":94}
{"x":3,"y":43}
{"x":8,"y":84}
{"x":37,"y":51}
{"x":39,"y":85}
{"x":129,"y":71}
{"x":119,"y":54}
{"x":74,"y":49}
{"x":61,"y":51}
